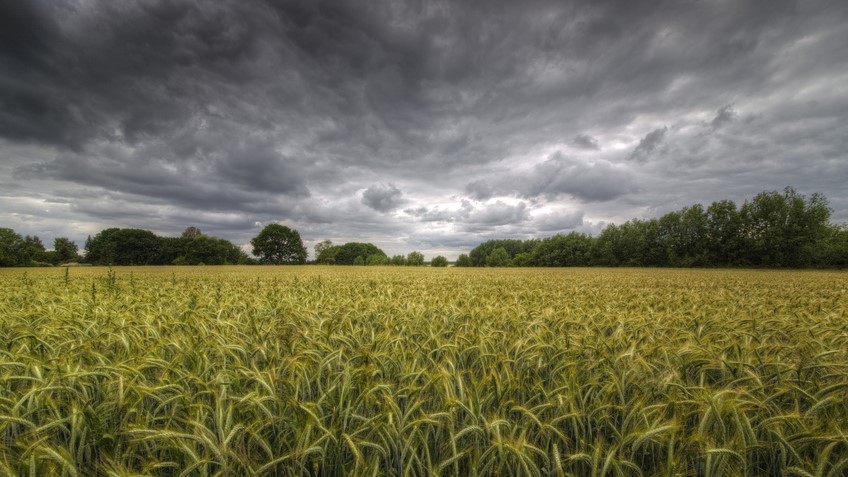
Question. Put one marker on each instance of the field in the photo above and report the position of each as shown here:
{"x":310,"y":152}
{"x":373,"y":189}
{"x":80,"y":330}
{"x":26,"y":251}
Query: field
{"x":417,"y":371}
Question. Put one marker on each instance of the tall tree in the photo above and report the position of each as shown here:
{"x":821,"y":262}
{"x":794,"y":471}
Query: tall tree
{"x":192,"y":232}
{"x":10,"y":246}
{"x":784,"y":230}
{"x":348,"y":253}
{"x":66,"y":251}
{"x":277,"y":244}
{"x":415,"y":259}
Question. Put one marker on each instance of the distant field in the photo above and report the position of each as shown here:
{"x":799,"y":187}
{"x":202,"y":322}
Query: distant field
{"x":418,"y":371}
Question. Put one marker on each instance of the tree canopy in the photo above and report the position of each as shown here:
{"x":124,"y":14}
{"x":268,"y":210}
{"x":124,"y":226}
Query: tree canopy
{"x":348,"y":253}
{"x":278,"y":245}
{"x":773,"y":229}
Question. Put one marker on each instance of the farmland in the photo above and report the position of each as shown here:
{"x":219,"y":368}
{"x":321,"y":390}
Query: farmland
{"x":397,"y":371}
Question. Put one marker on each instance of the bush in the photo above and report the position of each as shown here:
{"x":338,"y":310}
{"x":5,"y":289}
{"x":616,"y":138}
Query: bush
{"x":439,"y":261}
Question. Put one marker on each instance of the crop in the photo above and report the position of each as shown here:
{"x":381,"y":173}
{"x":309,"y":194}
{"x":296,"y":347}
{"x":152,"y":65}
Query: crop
{"x":281,"y":371}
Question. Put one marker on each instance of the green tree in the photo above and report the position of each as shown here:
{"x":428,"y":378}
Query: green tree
{"x":32,"y":250}
{"x":124,"y":247}
{"x":415,"y":259}
{"x":784,"y":230}
{"x":521,"y":260}
{"x":10,"y":246}
{"x":377,"y":259}
{"x":65,"y":250}
{"x":439,"y":261}
{"x":277,"y":244}
{"x":571,"y":250}
{"x":348,"y":252}
{"x":498,"y":258}
{"x":463,"y":261}
{"x":398,"y":260}
{"x":322,"y":247}
{"x":724,"y":240}
{"x":359,"y":260}
{"x":327,"y":256}
{"x":834,"y":253}
{"x":192,"y":232}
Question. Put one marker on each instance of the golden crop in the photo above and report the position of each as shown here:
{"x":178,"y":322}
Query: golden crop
{"x":396,"y":371}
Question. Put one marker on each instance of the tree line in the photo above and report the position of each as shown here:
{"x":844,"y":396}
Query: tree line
{"x":773,"y":230}
{"x":275,"y":245}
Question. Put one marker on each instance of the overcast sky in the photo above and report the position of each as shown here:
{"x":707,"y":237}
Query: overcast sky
{"x":415,"y":125}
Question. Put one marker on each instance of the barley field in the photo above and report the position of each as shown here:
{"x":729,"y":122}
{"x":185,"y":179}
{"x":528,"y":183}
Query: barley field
{"x":297,"y":371}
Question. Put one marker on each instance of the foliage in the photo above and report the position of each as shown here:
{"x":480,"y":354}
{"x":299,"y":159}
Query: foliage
{"x":463,"y":260}
{"x":377,"y":259}
{"x":10,"y":246}
{"x":398,"y":260}
{"x":327,"y":256}
{"x":192,"y":232}
{"x":279,"y":245}
{"x":416,"y":371}
{"x":415,"y":259}
{"x":772,"y":230}
{"x":349,"y":252}
{"x":65,"y":250}
{"x":321,"y":248}
{"x":498,"y":258}
{"x":123,"y":247}
{"x":480,"y":254}
{"x":439,"y":261}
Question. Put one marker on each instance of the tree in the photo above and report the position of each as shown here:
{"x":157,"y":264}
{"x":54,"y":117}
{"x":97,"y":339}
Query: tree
{"x":377,"y":259}
{"x":521,"y":260}
{"x":398,"y":260}
{"x":328,"y":255}
{"x":32,"y":250}
{"x":124,"y":247}
{"x":348,"y":252}
{"x":359,"y":260}
{"x":277,"y":244}
{"x":415,"y":259}
{"x":322,"y":247}
{"x":192,"y":232}
{"x":784,"y":230}
{"x":463,"y":261}
{"x":439,"y":261}
{"x":66,"y":251}
{"x":724,"y":240}
{"x":10,"y":246}
{"x":572,"y":250}
{"x":498,"y":258}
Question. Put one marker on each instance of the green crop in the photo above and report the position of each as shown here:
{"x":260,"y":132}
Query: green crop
{"x":282,"y":371}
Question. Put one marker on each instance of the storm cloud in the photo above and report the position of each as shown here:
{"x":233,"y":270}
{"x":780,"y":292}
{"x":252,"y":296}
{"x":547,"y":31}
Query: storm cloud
{"x":391,"y":121}
{"x":382,"y":197}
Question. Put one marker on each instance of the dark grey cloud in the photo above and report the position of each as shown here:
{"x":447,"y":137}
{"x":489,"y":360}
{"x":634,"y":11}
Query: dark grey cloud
{"x":382,"y":197}
{"x":479,"y":190}
{"x":238,"y":112}
{"x":585,"y":141}
{"x":724,"y":116}
{"x":648,"y":144}
{"x":586,"y":181}
{"x":559,"y":220}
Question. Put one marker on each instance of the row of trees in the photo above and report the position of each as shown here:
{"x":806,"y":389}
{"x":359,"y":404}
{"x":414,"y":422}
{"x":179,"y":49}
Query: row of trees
{"x":17,"y":251}
{"x":116,"y":246}
{"x":772,"y":230}
{"x":356,"y":253}
{"x":276,"y":244}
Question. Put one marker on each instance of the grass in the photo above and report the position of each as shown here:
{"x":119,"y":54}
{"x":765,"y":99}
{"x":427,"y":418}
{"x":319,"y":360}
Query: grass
{"x":396,"y":371}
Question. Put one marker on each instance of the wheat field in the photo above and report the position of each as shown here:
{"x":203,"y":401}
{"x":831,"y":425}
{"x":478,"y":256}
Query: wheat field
{"x":279,"y":371}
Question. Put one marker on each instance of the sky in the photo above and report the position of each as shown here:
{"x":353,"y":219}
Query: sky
{"x":415,"y":125}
